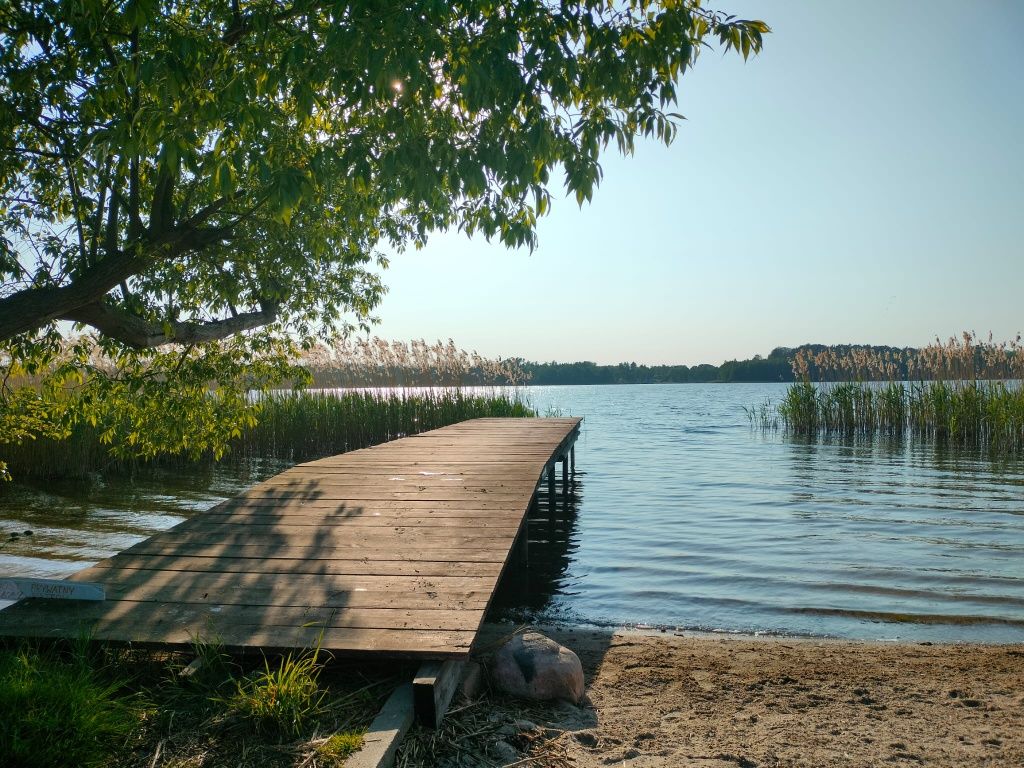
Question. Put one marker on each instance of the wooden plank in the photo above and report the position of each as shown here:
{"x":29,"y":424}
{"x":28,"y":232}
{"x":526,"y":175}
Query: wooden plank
{"x":342,"y":505}
{"x":290,"y":523}
{"x":285,"y":592}
{"x":312,"y":567}
{"x":432,"y":690}
{"x":249,"y":518}
{"x":49,"y":589}
{"x":116,"y":581}
{"x":333,"y":538}
{"x":286,"y":552}
{"x":203,"y":615}
{"x":383,"y":495}
{"x":390,"y":641}
{"x":412,"y":483}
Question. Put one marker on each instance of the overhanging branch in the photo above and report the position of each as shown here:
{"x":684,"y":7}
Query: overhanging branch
{"x":130,"y":329}
{"x":33,"y":307}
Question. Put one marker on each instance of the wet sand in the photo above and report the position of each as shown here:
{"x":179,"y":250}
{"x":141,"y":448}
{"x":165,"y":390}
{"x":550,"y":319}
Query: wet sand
{"x":660,"y":699}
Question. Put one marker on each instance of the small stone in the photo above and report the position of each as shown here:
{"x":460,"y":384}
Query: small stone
{"x":525,"y":726}
{"x":505,"y":752}
{"x":587,"y":738}
{"x":27,"y":533}
{"x":532,"y":666}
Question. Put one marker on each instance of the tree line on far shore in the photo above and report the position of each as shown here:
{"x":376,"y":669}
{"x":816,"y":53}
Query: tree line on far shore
{"x":900,"y":364}
{"x":778,"y":366}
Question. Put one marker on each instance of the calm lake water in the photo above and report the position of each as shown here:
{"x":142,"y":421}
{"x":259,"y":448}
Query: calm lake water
{"x":686,"y":518}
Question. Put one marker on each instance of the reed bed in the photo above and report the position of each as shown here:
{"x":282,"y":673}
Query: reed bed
{"x":305,"y":425}
{"x":290,"y":426}
{"x":379,"y":391}
{"x":964,"y":392}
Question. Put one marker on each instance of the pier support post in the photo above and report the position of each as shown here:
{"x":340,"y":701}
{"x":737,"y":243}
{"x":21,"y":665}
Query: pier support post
{"x":432,"y":690}
{"x":522,"y":544}
{"x":551,"y":490}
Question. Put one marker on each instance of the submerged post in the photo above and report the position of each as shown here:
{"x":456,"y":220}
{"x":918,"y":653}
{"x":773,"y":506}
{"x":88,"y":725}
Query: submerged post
{"x":551,"y":489}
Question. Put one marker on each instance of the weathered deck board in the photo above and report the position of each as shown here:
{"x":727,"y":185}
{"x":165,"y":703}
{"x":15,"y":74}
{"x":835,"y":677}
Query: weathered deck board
{"x":392,"y":550}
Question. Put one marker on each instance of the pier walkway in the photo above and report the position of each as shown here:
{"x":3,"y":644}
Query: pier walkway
{"x":394,"y":550}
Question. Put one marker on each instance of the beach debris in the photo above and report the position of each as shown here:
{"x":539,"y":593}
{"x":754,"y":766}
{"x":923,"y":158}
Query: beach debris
{"x":533,"y":666}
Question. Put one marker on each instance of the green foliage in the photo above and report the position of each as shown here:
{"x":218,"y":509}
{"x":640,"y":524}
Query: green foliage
{"x":180,"y":173}
{"x":58,"y":711}
{"x":115,"y":404}
{"x":280,"y":699}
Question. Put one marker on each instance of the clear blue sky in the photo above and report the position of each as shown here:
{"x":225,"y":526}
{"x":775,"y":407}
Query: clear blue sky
{"x":860,"y":181}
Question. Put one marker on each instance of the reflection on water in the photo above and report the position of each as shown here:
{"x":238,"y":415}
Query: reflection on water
{"x":684,"y":517}
{"x":52,"y":529}
{"x":536,"y":574}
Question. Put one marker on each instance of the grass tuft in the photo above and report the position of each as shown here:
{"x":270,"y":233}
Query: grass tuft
{"x":339,"y":746}
{"x":281,"y":699}
{"x":58,"y":710}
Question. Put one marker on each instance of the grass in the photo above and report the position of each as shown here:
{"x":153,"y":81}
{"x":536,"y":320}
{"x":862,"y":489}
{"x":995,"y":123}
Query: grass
{"x":280,"y":699}
{"x":60,"y":709}
{"x":335,"y":749}
{"x":71,"y":705}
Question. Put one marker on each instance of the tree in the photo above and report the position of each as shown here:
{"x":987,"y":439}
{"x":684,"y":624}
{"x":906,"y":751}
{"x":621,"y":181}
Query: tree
{"x":176,"y":175}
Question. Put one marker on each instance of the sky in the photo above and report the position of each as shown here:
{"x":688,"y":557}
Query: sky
{"x":861,"y":181}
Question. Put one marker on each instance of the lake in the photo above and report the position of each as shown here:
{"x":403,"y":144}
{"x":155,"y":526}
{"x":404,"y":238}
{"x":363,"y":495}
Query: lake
{"x":686,"y":518}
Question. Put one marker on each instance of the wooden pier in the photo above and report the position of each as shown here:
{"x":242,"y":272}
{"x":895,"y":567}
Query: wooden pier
{"x":394,"y":550}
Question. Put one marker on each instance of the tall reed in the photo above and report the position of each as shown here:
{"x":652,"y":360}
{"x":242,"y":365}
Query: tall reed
{"x":304,"y":425}
{"x":965,"y":392}
{"x":291,"y":426}
{"x":414,"y":387}
{"x":376,"y":362}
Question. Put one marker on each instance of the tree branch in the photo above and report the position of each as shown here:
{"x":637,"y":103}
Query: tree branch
{"x":116,"y":323}
{"x":32,"y":307}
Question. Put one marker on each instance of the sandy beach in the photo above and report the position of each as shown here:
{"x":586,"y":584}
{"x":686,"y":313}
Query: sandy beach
{"x":662,"y":699}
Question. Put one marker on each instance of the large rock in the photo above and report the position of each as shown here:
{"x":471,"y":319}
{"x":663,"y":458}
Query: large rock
{"x":533,"y":666}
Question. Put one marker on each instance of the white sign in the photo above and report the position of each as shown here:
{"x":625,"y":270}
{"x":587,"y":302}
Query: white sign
{"x":50,"y":589}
